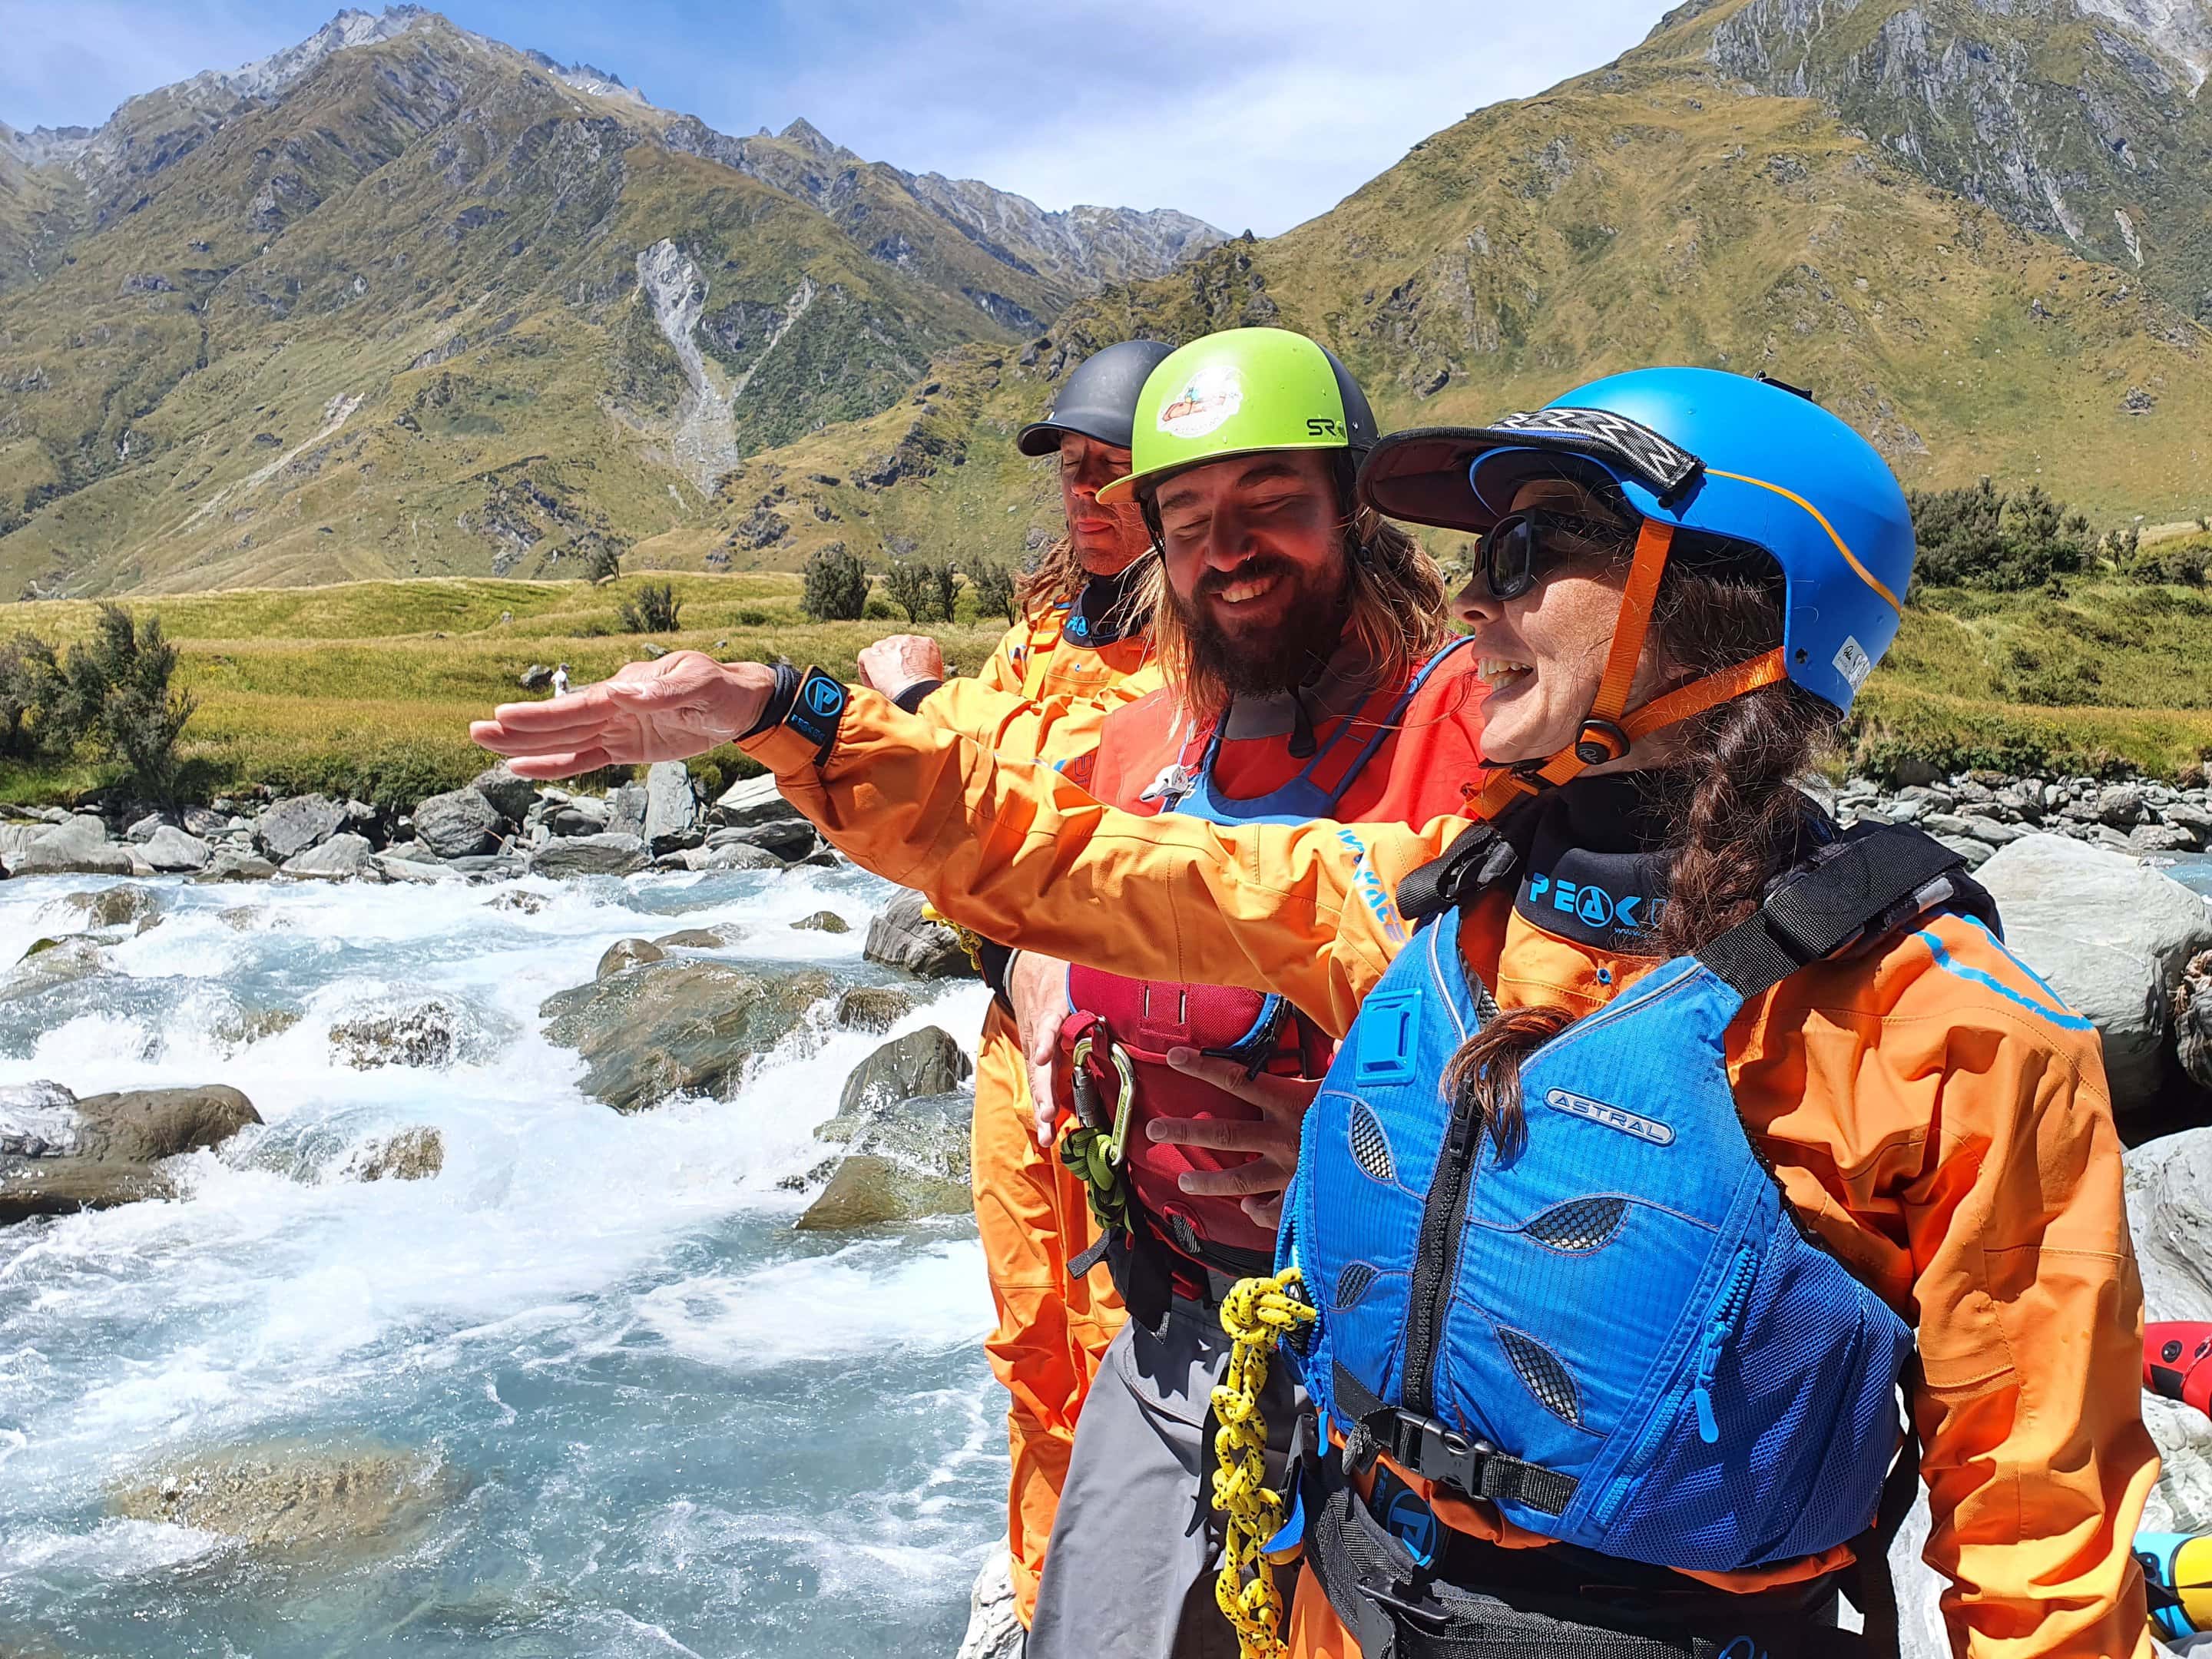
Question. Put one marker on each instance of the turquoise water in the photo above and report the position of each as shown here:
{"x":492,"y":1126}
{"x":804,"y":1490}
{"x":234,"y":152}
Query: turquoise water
{"x":675,"y":1425}
{"x":2192,"y":870}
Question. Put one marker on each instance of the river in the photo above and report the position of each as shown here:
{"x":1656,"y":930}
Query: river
{"x":675,"y":1425}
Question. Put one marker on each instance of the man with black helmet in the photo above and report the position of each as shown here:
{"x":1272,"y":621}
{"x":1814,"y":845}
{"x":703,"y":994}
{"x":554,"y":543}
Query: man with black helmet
{"x":1081,"y":649}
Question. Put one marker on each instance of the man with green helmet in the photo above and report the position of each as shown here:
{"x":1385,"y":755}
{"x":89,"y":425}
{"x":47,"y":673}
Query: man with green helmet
{"x":1297,"y":634}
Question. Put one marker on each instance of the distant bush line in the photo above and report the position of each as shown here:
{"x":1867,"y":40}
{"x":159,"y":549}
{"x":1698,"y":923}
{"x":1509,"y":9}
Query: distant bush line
{"x":2006,"y":542}
{"x":109,"y":696}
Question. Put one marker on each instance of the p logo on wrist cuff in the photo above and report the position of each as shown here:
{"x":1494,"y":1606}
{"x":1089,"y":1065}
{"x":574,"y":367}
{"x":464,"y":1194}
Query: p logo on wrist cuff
{"x":817,"y":710}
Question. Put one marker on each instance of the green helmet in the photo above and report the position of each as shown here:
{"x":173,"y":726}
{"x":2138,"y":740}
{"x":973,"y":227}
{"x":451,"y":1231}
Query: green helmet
{"x":1242,"y":393}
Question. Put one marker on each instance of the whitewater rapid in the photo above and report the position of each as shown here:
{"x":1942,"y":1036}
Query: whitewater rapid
{"x":679,"y":1426}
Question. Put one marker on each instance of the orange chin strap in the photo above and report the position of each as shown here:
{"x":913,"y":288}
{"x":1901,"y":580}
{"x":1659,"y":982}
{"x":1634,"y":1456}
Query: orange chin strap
{"x":1609,"y":731}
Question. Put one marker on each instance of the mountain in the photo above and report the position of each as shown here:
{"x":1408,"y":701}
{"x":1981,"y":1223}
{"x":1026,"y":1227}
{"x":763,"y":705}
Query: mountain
{"x":401,"y":299}
{"x":1663,"y":208}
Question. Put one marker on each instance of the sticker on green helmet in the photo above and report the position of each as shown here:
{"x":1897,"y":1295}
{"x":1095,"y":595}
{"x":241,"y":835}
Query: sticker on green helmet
{"x":1210,"y":397}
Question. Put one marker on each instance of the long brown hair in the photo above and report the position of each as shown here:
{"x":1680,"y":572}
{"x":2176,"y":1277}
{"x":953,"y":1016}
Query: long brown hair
{"x":1058,"y":576}
{"x":1730,"y":787}
{"x":1397,"y":612}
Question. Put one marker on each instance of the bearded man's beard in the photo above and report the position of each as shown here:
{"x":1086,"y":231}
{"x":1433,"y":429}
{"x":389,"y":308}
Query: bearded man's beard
{"x":1266,"y":662}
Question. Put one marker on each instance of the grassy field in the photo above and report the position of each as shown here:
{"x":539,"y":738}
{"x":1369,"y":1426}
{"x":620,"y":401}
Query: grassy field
{"x":367,"y":687}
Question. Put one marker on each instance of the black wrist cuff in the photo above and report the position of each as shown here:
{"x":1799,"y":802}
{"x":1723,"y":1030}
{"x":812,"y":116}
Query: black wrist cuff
{"x":910,"y":699}
{"x":994,"y":960}
{"x":779,"y":701}
{"x":816,"y":712}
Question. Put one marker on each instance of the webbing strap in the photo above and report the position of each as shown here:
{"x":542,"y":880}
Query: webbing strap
{"x":1653,"y":540}
{"x":1435,"y":1452}
{"x":1828,"y":905}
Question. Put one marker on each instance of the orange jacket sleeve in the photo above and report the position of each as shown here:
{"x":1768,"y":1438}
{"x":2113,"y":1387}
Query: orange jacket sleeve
{"x":2030,"y":1309}
{"x":1022,"y":856}
{"x":1052,"y":727}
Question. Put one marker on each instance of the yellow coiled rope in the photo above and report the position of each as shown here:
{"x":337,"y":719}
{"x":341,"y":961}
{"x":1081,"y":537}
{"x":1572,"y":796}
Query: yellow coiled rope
{"x":1256,"y":1314}
{"x":971,"y":940}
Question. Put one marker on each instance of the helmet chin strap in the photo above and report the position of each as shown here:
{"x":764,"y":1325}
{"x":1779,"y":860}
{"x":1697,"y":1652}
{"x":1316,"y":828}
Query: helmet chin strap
{"x":1610,"y":730}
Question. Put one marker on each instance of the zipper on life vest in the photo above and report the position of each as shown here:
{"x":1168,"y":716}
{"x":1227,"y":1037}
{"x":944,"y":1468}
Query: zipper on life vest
{"x":1717,"y":1330}
{"x":1436,"y":1264}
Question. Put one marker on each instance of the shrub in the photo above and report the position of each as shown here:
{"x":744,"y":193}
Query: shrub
{"x":752,"y":617}
{"x":910,"y":589}
{"x":1988,"y":537}
{"x":652,"y":609}
{"x":117,"y":693}
{"x":30,"y":687}
{"x":601,"y":554}
{"x":944,"y":589}
{"x":837,"y":586}
{"x":993,"y":585}
{"x":2185,"y":563}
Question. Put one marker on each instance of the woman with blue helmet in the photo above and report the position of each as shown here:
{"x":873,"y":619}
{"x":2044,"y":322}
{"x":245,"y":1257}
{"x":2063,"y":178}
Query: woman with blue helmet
{"x":1673,"y":1128}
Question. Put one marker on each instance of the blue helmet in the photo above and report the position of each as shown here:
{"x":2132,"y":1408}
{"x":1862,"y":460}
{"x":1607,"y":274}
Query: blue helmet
{"x":1737,"y":463}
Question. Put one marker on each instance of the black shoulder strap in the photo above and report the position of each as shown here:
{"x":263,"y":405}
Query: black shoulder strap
{"x":1485,"y":855}
{"x":1855,"y":884}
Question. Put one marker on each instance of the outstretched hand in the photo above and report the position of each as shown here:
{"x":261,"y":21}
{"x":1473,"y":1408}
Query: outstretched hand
{"x":675,"y":708}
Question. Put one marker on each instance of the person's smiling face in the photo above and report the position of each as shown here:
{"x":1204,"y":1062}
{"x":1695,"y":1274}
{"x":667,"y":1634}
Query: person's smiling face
{"x":1542,"y":654}
{"x":1255,"y":559}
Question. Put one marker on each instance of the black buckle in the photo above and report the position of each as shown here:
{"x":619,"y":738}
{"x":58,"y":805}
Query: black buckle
{"x":1438,"y":1454}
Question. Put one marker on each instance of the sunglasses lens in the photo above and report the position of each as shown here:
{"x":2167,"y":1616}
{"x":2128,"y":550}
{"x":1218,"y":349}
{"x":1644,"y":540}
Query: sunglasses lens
{"x":1509,"y":557}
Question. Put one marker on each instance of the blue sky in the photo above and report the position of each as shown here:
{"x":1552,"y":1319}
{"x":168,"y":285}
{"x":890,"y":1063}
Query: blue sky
{"x":1252,"y":118}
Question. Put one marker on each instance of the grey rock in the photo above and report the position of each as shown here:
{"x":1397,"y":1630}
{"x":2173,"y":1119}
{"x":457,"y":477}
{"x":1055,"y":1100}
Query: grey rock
{"x":701,"y":939}
{"x":297,"y":1496}
{"x":609,"y":854}
{"x":2169,"y":1194}
{"x":536,"y":677}
{"x":904,"y":1160}
{"x":458,"y":825}
{"x":822,"y":921}
{"x":2193,"y":1019}
{"x":415,"y":1154}
{"x":730,"y":856}
{"x":173,"y":851}
{"x":489,"y":866}
{"x":2187,"y":815}
{"x":2123,"y":805}
{"x":583,"y":816}
{"x":1976,"y":853}
{"x":627,"y":953}
{"x":345,"y":857}
{"x":62,"y":1186}
{"x":2110,"y":936}
{"x":429,"y":1033}
{"x":626,"y":808}
{"x":671,"y":808}
{"x":204,"y":821}
{"x":788,"y":839}
{"x":994,"y":1629}
{"x":295,"y":824}
{"x":686,"y":1026}
{"x":76,"y":846}
{"x":873,"y":1007}
{"x":418,"y":867}
{"x":141,"y":1126}
{"x":899,"y":938}
{"x":510,"y":797}
{"x":924,"y":1062}
{"x":230,"y":866}
{"x":39,"y":1120}
{"x":753,"y":800}
{"x":49,"y":963}
{"x":127,"y":905}
{"x":143,"y":831}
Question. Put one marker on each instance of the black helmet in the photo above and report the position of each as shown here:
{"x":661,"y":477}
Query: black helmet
{"x":1099,"y":400}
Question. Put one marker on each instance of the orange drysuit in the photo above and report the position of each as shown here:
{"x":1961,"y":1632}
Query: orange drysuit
{"x":1041,"y":696}
{"x":1932,"y":1111}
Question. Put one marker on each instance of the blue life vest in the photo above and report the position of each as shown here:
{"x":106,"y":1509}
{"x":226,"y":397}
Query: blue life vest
{"x":1620,"y":1335}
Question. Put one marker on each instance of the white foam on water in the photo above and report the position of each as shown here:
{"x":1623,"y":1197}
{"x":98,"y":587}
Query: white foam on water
{"x":274,"y":1295}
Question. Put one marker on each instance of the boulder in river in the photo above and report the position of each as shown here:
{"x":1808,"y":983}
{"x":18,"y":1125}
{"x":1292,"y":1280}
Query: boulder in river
{"x":458,"y":825}
{"x":511,"y":797}
{"x":995,"y":1629}
{"x":78,"y":845}
{"x":295,"y":823}
{"x":428,"y":1033}
{"x":899,"y":938}
{"x":626,"y":805}
{"x":627,"y":953}
{"x":173,"y":851}
{"x":686,"y":1026}
{"x":753,"y":800}
{"x":228,"y":864}
{"x":53,"y":961}
{"x":905,"y":1160}
{"x":615,"y":852}
{"x":924,"y":1062}
{"x":671,"y":808}
{"x":285,"y":1495}
{"x":822,"y":921}
{"x":873,"y":1007}
{"x":2110,"y":937}
{"x":125,"y":904}
{"x":731,"y":855}
{"x":120,"y":1138}
{"x":701,"y":939}
{"x":346,"y":857}
{"x":789,"y":839}
{"x":415,"y":1154}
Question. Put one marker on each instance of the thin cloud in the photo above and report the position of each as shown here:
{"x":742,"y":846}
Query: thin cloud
{"x":1143,"y":103}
